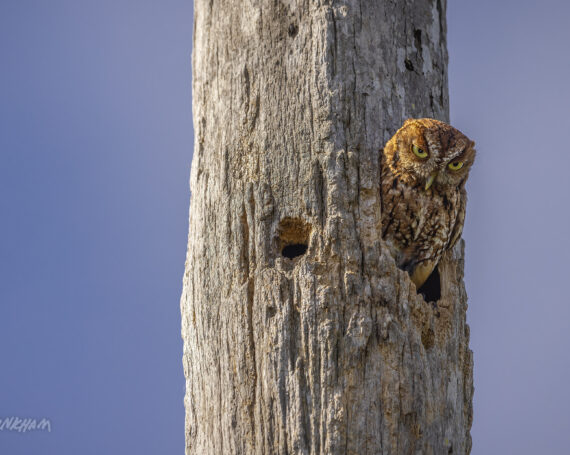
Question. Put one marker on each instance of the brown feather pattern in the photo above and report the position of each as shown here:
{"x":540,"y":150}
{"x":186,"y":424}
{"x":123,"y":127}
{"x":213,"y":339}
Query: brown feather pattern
{"x":420,"y":224}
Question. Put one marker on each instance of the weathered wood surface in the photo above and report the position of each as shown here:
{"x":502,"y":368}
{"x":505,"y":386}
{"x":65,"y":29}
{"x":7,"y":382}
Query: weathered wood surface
{"x":332,"y":352}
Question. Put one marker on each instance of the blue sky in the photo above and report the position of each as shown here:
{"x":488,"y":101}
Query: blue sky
{"x":509,"y":69}
{"x":95,"y":147}
{"x":96,"y":141}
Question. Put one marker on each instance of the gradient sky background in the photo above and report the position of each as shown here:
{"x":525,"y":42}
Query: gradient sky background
{"x":95,"y":148}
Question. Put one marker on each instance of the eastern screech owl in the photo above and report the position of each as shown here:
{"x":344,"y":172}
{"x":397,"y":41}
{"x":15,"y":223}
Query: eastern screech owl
{"x":424,"y":169}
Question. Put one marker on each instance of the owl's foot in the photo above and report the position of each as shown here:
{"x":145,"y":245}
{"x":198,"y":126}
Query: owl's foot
{"x":421,"y":272}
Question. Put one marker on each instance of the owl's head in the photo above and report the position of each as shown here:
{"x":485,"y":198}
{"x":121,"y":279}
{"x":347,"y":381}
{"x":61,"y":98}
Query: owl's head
{"x":431,"y":154}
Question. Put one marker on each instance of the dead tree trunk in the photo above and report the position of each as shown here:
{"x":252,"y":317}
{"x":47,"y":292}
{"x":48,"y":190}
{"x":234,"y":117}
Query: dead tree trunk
{"x":300,"y":334}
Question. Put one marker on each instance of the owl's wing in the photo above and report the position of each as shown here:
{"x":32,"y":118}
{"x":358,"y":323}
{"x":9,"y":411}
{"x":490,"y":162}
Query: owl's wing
{"x":459,"y":220}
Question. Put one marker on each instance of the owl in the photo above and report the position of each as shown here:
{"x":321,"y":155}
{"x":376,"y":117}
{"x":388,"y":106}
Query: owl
{"x":424,"y":169}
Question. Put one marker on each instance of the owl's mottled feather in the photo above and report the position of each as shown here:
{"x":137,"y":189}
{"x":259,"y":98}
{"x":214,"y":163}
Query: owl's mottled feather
{"x":423,"y":199}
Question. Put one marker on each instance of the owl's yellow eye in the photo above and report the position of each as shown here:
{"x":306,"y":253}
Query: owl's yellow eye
{"x":455,"y":165}
{"x":419,"y":152}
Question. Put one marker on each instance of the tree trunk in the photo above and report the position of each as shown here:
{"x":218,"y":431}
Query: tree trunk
{"x":300,"y":333}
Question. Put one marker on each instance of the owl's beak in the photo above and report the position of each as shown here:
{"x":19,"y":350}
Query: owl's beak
{"x":430,"y":180}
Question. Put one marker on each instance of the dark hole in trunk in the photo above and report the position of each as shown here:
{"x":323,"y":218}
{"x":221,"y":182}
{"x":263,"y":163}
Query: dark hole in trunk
{"x":431,"y":289}
{"x":292,"y":251}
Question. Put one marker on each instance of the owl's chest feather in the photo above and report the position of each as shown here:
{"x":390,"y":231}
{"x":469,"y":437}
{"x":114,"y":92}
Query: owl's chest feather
{"x":417,"y":221}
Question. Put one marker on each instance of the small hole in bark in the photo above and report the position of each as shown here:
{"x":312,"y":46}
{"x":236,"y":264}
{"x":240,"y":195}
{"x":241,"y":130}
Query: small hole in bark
{"x":293,"y":237}
{"x":418,"y":40}
{"x":270,"y":312}
{"x":292,"y":251}
{"x":409,"y":65}
{"x":293,"y":30}
{"x":431,"y":289}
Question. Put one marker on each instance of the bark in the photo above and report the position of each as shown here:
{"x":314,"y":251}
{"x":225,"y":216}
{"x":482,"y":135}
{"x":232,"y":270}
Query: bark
{"x":332,"y":351}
